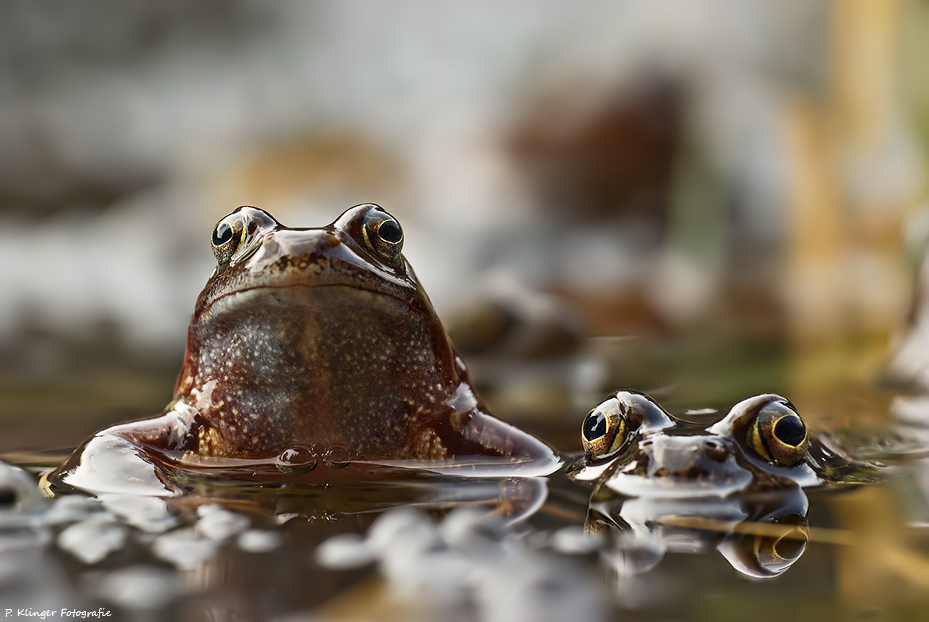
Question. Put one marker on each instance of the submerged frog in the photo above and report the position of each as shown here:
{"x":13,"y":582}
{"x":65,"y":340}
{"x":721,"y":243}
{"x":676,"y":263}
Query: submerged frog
{"x":636,"y":448}
{"x":308,"y":342}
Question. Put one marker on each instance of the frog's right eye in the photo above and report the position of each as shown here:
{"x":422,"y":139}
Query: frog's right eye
{"x":383,"y":235}
{"x":604,"y":431}
{"x":229,"y":237}
{"x":778,"y":434}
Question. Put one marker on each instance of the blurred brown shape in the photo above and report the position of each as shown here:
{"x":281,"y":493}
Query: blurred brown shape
{"x":594,"y":156}
{"x":340,"y":165}
{"x":847,"y":190}
{"x":882,"y":566}
{"x":513,"y":322}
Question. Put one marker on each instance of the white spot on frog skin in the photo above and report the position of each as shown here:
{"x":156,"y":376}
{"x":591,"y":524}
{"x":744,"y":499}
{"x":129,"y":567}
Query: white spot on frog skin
{"x":204,"y":396}
{"x":184,"y":409}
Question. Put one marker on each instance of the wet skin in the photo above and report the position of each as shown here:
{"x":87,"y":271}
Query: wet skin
{"x":634,"y":447}
{"x":310,"y":342}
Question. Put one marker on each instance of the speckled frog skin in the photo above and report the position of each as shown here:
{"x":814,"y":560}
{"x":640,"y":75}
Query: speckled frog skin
{"x":322,"y":339}
{"x":636,"y":448}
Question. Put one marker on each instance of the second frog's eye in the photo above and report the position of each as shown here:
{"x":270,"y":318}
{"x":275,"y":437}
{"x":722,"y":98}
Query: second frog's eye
{"x":778,"y":434}
{"x":229,"y":237}
{"x":604,"y":431}
{"x":383,"y":235}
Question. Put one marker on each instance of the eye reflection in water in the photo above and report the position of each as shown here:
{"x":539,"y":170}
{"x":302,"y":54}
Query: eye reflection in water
{"x":760,"y":536}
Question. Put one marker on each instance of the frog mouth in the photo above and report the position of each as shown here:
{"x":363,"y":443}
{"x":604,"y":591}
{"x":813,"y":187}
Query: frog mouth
{"x":302,"y":296}
{"x":279,"y":268}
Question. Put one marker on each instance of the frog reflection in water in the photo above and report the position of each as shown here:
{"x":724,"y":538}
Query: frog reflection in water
{"x":309,"y":342}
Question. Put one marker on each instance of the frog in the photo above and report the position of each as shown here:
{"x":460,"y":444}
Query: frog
{"x":307,"y":343}
{"x":635,"y":448}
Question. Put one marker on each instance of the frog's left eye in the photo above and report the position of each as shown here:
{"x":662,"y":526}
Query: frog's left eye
{"x":778,"y":434}
{"x":383,"y":235}
{"x":228,"y":237}
{"x":604,"y":430}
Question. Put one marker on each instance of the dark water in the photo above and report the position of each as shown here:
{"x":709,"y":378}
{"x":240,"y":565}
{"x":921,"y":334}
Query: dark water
{"x":363,"y":543}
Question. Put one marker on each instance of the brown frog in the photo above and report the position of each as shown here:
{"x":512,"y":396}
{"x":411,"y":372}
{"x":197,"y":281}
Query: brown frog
{"x":309,"y":341}
{"x":635,"y":447}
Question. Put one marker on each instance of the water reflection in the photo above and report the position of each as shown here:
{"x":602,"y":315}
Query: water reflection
{"x":236,"y":529}
{"x":422,"y":544}
{"x":468,"y":565}
{"x":473,"y":537}
{"x":760,"y":536}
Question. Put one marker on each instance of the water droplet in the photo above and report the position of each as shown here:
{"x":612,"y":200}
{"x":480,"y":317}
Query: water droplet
{"x":297,"y":460}
{"x":336,"y":458}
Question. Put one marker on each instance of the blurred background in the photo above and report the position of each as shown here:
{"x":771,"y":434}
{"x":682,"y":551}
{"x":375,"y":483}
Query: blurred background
{"x":699,"y":199}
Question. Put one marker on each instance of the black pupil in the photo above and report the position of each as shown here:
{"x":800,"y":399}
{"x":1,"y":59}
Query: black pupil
{"x":221,"y":234}
{"x":790,"y":430}
{"x":7,"y":496}
{"x":594,"y":425}
{"x":389,"y":231}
